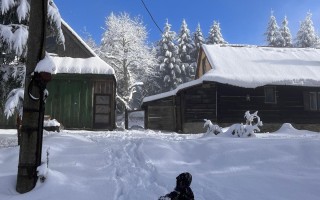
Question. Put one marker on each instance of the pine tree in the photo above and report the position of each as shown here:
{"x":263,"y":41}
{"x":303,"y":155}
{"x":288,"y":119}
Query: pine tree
{"x":215,"y":36}
{"x":285,"y":33}
{"x":274,"y":37}
{"x":306,"y":36}
{"x":186,"y":48}
{"x":14,"y":18}
{"x":198,"y":40}
{"x":168,"y":59}
{"x":124,"y":47}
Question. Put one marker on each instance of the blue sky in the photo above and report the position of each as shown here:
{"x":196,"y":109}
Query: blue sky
{"x":241,"y":21}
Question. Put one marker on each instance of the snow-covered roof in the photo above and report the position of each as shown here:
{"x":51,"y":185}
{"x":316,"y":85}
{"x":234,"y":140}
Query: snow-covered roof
{"x":173,"y":92}
{"x":92,"y":65}
{"x":253,"y":66}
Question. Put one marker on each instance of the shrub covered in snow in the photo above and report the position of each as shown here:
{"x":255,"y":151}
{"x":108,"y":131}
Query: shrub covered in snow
{"x":212,"y":128}
{"x":247,"y":130}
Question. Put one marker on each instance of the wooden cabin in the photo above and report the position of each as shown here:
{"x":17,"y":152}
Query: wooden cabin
{"x":82,"y":90}
{"x":282,"y":84}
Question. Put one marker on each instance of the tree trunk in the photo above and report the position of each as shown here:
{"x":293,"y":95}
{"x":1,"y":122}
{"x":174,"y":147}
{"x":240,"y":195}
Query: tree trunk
{"x":32,"y":121}
{"x":126,"y":79}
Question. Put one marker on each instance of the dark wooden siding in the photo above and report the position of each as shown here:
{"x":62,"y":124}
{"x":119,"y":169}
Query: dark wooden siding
{"x":161,"y":114}
{"x":199,"y":103}
{"x":292,"y":102}
{"x":72,"y":47}
{"x":289,"y":107}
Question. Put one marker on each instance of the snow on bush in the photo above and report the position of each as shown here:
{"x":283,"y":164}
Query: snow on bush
{"x":212,"y":128}
{"x":247,"y":130}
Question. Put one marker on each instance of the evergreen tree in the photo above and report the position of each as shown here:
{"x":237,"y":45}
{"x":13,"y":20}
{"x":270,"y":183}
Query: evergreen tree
{"x":285,"y":33}
{"x":124,"y":47}
{"x":14,"y":18}
{"x":198,"y":40}
{"x":274,"y":37}
{"x":306,"y":36}
{"x":168,"y":59}
{"x":186,"y":48}
{"x":215,"y":36}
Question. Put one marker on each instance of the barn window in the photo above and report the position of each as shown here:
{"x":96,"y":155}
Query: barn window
{"x":312,"y":101}
{"x":270,"y":94}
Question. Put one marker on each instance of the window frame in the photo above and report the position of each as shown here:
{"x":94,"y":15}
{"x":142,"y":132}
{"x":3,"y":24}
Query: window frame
{"x":266,"y":95}
{"x":311,"y":101}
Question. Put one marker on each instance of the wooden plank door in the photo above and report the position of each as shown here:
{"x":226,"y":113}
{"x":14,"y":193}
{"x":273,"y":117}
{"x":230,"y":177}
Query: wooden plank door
{"x":102,"y":105}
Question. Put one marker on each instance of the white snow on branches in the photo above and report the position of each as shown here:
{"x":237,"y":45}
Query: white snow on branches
{"x":6,"y":5}
{"x":55,"y":18}
{"x":23,"y":10}
{"x":14,"y":102}
{"x":15,"y":36}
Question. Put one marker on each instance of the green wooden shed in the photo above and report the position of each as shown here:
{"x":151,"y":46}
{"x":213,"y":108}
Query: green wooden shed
{"x":82,"y":91}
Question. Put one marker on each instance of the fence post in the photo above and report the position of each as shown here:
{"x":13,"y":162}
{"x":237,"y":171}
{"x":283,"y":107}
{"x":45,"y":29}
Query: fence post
{"x":126,"y":123}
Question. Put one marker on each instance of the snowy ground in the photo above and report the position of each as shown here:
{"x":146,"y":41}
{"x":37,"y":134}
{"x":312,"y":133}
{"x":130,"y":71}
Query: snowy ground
{"x":125,"y":165}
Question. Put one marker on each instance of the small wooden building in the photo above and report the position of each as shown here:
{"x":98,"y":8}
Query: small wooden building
{"x":82,"y":92}
{"x":282,"y":84}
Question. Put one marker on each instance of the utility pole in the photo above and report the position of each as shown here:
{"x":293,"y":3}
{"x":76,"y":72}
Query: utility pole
{"x":33,"y":111}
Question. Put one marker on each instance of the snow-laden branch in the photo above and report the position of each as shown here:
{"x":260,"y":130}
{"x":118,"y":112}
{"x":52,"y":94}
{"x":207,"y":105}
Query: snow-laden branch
{"x":55,"y":21}
{"x":14,"y":102}
{"x":15,"y":36}
{"x":6,"y":5}
{"x":23,"y":10}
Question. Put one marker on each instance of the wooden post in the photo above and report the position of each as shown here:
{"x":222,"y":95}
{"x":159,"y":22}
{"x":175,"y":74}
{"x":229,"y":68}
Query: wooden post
{"x":126,"y":121}
{"x":32,"y":121}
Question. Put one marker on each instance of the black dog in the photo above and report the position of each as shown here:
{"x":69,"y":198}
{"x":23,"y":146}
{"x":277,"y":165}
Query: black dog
{"x":182,"y":190}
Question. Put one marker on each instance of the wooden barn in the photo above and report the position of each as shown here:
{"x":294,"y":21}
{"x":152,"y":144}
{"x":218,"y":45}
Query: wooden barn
{"x":282,"y":84}
{"x":82,"y":90}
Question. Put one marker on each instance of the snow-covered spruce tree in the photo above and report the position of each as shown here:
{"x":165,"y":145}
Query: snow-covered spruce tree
{"x":168,"y":60}
{"x":306,"y":36}
{"x":285,"y":33}
{"x":215,"y":35}
{"x":274,"y":37}
{"x":186,"y":49}
{"x":124,"y":47}
{"x":198,"y":40}
{"x":14,"y":17}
